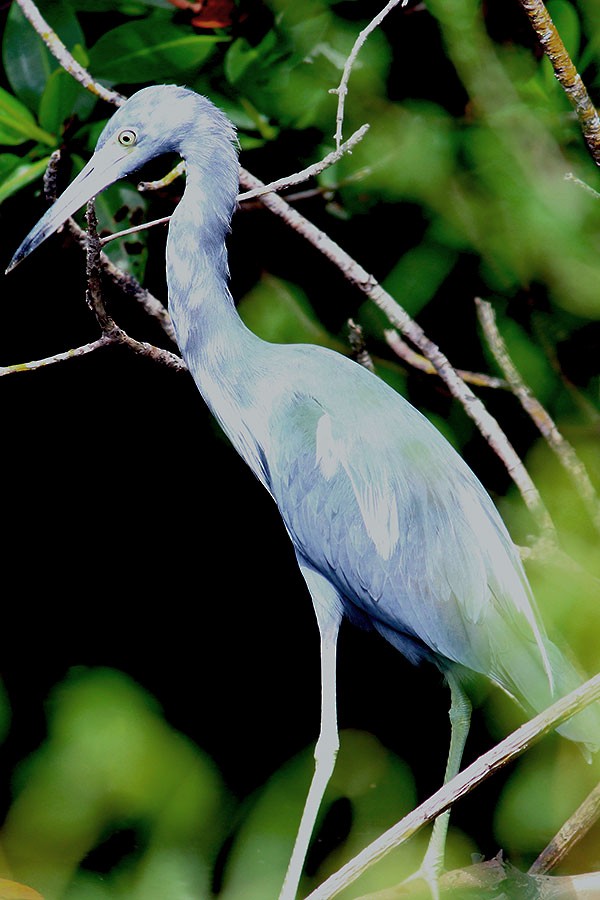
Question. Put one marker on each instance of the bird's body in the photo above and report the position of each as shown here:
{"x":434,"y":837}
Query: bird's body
{"x":390,"y":526}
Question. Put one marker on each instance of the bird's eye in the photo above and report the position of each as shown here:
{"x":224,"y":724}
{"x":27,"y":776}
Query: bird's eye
{"x":127,"y":138}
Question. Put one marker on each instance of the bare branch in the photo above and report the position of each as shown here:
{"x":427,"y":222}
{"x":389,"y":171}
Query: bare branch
{"x":36,"y":364}
{"x":401,"y":349}
{"x":544,"y":422}
{"x":134,"y":229}
{"x":463,"y":783}
{"x":310,"y":171}
{"x":342,"y":89}
{"x":163,"y":182}
{"x":96,"y":302}
{"x":570,"y":176}
{"x":359,"y":348}
{"x":499,"y":879}
{"x":566,"y":73}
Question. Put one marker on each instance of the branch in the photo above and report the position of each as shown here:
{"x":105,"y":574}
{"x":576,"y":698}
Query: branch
{"x":122,"y":280}
{"x":366,"y":282}
{"x":566,"y":73}
{"x":310,"y":171}
{"x":496,"y":878}
{"x":419,"y":362}
{"x":36,"y":364}
{"x":342,"y":89}
{"x":111,"y":331}
{"x":358,"y":346}
{"x":463,"y":783}
{"x":542,"y":419}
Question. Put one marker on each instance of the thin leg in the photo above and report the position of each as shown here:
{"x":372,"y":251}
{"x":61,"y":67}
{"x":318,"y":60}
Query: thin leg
{"x":328,"y":611}
{"x":460,"y":720}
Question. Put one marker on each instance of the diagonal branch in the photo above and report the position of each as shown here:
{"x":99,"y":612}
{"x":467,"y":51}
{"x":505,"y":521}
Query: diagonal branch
{"x":463,"y":783}
{"x":566,"y":73}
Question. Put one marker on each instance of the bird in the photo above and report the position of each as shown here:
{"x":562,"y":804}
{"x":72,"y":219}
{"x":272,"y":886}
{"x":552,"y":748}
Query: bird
{"x":390,"y":527}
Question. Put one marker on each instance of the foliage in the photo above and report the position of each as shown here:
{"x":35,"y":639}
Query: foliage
{"x":458,"y":190}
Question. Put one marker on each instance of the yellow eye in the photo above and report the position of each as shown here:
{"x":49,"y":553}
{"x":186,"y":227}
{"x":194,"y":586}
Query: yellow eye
{"x":127,"y":138}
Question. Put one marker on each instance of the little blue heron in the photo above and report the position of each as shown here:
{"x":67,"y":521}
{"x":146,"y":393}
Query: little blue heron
{"x":390,"y":527}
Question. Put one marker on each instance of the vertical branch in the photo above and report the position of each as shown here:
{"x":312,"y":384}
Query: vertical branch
{"x":342,"y":89}
{"x":93,"y":270}
{"x":566,"y":73}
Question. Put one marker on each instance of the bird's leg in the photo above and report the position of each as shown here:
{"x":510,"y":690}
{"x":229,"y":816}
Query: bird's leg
{"x":460,"y":720}
{"x":327,"y":609}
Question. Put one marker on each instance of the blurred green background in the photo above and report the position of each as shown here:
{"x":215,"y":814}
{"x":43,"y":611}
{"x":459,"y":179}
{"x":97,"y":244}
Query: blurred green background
{"x":159,"y":655}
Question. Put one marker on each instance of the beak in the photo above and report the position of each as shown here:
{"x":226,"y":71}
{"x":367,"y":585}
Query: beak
{"x":106,"y":166}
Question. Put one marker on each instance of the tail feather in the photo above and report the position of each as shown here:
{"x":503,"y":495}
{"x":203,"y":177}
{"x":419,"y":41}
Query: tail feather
{"x":525,"y":676}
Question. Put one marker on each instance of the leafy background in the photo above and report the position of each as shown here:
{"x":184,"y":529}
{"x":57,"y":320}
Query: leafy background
{"x":159,"y":655}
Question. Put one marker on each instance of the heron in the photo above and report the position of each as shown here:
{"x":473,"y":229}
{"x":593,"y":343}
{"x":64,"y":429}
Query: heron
{"x":390,"y":527}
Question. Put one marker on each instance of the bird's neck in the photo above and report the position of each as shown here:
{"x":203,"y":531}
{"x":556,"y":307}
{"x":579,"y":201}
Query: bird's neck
{"x":224,"y":357}
{"x":200,"y":304}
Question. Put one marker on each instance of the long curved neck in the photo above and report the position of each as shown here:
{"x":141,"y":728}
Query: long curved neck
{"x":223,"y":355}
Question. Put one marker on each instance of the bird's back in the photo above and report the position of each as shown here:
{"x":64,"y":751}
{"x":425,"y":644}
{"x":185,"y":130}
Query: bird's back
{"x":377,"y":501}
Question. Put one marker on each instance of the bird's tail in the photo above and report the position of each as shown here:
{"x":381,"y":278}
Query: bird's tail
{"x":527,"y":678}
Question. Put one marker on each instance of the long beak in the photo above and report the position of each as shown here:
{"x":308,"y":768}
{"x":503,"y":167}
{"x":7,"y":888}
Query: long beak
{"x":105,"y":167}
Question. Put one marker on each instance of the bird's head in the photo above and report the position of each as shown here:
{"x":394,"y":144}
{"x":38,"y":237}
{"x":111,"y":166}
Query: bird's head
{"x":153,"y":121}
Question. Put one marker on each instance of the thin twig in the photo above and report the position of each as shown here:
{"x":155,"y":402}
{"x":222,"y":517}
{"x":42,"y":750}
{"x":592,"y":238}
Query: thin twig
{"x":406,"y":353}
{"x":566,"y":73}
{"x":463,"y":783}
{"x":342,"y":89}
{"x":570,"y":176}
{"x":542,"y":419}
{"x":134,"y":230}
{"x":163,"y":182}
{"x":356,"y":339}
{"x":35,"y":364}
{"x":574,"y":829}
{"x":310,"y":171}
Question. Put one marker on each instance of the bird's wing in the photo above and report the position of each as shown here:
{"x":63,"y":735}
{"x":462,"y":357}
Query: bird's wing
{"x":378,"y":501}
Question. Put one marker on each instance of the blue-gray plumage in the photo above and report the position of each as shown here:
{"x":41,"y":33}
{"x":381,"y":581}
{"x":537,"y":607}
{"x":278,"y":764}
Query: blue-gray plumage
{"x":390,"y":527}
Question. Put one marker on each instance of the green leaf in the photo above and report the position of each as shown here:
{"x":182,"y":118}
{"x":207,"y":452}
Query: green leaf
{"x":118,"y":208}
{"x":27,"y":61}
{"x":63,"y":96}
{"x":279,"y":312}
{"x":16,"y":174}
{"x":17,"y":125}
{"x":242,"y":55}
{"x":150,"y":50}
